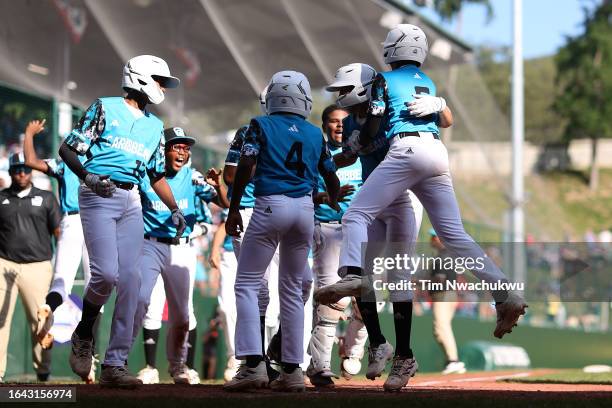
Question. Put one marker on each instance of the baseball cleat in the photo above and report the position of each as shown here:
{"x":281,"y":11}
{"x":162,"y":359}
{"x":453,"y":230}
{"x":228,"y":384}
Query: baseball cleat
{"x":454,"y":367}
{"x":118,"y":377}
{"x":402,"y":369}
{"x":231,"y":368}
{"x":273,"y":374}
{"x":194,"y":377}
{"x":378,"y":357}
{"x":81,"y":356}
{"x":248,"y":378}
{"x":350,"y":285}
{"x":290,"y":382}
{"x":274,"y":348}
{"x":179,"y":373}
{"x":349,"y":367}
{"x":148,"y":375}
{"x":508,"y":313}
{"x":320,"y":378}
{"x":45,"y":322}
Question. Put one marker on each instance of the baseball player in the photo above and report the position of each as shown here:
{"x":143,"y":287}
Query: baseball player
{"x":405,"y":106}
{"x":153,"y":318}
{"x":171,"y":257}
{"x":121,"y":142}
{"x":289,"y":153}
{"x":70,"y":241}
{"x":222,"y":257}
{"x":327,"y":240}
{"x":397,"y":224}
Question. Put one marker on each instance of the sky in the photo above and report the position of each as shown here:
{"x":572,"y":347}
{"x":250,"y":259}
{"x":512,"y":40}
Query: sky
{"x":546,"y":23}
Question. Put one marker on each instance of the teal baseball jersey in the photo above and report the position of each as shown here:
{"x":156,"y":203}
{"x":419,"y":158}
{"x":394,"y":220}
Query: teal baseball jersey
{"x":373,"y":154}
{"x":289,"y":150}
{"x":392,"y":90}
{"x":232,"y":159}
{"x":185,"y":185}
{"x":347,"y":175}
{"x":119,"y":140}
{"x":228,"y":246}
{"x":68,"y":185}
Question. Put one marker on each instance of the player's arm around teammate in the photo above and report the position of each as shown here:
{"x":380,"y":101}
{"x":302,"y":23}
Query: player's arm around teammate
{"x":122,"y":141}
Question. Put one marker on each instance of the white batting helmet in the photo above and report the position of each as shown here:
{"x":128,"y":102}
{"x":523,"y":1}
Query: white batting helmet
{"x":262,"y":101}
{"x":406,"y":42}
{"x":360,"y":77}
{"x":141,"y":72}
{"x":289,"y":91}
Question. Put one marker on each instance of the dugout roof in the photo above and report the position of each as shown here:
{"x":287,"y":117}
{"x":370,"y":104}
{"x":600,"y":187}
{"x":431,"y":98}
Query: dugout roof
{"x":224,"y":51}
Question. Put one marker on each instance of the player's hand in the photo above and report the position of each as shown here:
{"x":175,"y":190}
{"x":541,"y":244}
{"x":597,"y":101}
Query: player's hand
{"x":345,"y":191}
{"x":178,"y":219}
{"x":353,"y":143}
{"x":233,"y":224}
{"x":424,"y":105}
{"x":213,"y":177}
{"x":214,"y":259}
{"x":35,"y":127}
{"x":334,"y":205}
{"x":101,"y":185}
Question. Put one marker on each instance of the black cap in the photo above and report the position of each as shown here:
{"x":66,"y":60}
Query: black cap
{"x":177,"y":135}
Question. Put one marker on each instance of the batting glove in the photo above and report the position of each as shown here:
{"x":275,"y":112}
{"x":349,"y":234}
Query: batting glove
{"x":101,"y":185}
{"x":178,"y":219}
{"x":424,"y":105}
{"x":353,"y":142}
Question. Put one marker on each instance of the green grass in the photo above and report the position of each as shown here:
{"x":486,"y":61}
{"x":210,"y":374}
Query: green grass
{"x":567,"y":377}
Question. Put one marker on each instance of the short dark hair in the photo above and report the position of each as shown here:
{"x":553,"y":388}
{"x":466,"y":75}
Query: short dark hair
{"x":327,"y":111}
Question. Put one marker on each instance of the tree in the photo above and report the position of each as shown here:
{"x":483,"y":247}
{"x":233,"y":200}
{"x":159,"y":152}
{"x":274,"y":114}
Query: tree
{"x":584,"y":80}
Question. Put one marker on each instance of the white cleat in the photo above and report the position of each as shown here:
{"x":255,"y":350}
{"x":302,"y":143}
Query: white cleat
{"x":454,"y":367}
{"x":247,"y":379}
{"x":378,"y":358}
{"x":231,"y":368}
{"x":402,"y":370}
{"x":350,"y":285}
{"x":45,"y":322}
{"x":508,"y":313}
{"x":289,"y":382}
{"x":194,"y":377}
{"x":179,"y":373}
{"x":148,"y":375}
{"x":81,"y":356}
{"x":350,"y":366}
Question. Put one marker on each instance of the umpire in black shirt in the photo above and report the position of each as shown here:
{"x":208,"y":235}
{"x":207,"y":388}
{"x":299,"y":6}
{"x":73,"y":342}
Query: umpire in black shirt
{"x":29,"y":217}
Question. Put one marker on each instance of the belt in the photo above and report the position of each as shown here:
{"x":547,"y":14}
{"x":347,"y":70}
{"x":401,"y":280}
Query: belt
{"x":402,"y":135}
{"x":331,"y":222}
{"x":123,"y":186}
{"x":71,"y":212}
{"x":169,"y":241}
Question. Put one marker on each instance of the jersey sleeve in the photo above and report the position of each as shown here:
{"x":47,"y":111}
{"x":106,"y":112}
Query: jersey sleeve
{"x":326,"y":161}
{"x":55,"y":168}
{"x":378,"y":102}
{"x":156,"y":167}
{"x":89,"y":128}
{"x":254,"y":140}
{"x":203,"y":190}
{"x":233,"y":154}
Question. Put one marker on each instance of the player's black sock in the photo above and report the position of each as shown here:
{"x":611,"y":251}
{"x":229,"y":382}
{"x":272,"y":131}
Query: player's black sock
{"x":402,"y":319}
{"x":262,"y":330}
{"x":289,"y":367}
{"x":90,"y":314}
{"x":54,"y":300}
{"x":369,"y":315}
{"x":191,"y":347}
{"x":96,"y":329}
{"x":150,"y":338}
{"x":253,"y":361}
{"x":354,"y":270}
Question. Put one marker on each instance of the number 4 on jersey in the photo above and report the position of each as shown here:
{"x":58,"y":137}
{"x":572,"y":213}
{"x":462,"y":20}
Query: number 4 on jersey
{"x":297,"y":165}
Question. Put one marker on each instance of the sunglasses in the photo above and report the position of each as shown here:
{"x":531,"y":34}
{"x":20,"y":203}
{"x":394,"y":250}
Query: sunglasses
{"x":20,"y":169}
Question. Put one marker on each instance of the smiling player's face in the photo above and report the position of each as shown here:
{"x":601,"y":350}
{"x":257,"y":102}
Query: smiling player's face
{"x":177,"y":155}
